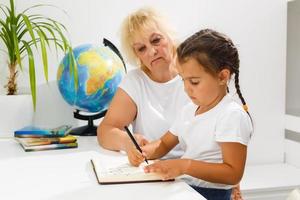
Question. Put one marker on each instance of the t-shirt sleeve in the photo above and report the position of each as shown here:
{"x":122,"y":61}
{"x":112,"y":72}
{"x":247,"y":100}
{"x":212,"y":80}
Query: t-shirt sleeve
{"x":234,"y":126}
{"x":130,"y":86}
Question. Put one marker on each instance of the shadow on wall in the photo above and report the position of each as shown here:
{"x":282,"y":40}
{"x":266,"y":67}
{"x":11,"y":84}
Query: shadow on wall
{"x":51,"y":109}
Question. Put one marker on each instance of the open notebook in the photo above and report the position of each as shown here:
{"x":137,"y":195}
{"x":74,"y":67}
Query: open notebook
{"x":117,"y":170}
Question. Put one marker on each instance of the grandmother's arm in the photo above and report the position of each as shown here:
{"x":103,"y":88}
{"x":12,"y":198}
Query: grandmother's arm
{"x":121,"y":112}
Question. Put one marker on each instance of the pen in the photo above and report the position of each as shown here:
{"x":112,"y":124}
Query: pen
{"x":134,"y":142}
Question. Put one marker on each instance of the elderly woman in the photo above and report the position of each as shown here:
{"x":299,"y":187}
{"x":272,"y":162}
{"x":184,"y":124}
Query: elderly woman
{"x":149,"y":97}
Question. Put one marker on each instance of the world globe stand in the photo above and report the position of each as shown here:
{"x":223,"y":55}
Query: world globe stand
{"x":102,"y":95}
{"x":87,"y":130}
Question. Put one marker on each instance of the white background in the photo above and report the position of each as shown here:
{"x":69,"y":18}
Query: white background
{"x":258,"y":28}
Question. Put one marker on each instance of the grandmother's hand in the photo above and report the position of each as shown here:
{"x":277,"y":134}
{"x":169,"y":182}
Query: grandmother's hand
{"x":135,"y":157}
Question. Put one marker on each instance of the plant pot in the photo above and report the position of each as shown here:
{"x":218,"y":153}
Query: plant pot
{"x":16,"y":111}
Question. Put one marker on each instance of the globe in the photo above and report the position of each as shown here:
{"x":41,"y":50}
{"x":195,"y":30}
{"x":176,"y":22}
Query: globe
{"x":100,"y":70}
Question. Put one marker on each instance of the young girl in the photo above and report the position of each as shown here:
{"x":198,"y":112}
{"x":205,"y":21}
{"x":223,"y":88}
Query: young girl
{"x":214,"y":130}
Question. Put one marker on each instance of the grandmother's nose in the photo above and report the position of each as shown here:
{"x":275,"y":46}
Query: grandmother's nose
{"x":152,"y":51}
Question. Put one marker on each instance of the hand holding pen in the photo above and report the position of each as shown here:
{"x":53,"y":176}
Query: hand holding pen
{"x":134,"y":158}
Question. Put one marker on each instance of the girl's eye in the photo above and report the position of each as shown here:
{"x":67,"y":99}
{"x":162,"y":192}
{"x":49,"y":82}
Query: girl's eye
{"x":194,"y":82}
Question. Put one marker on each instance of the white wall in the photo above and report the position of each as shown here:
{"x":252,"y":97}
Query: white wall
{"x":258,"y":27}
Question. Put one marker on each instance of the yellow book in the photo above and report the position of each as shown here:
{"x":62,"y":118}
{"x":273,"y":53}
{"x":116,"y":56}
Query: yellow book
{"x":46,"y":141}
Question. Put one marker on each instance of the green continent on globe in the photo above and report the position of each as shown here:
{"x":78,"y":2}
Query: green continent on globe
{"x":97,"y":75}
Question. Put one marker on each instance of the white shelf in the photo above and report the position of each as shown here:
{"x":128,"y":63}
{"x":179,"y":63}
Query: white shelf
{"x":292,"y":123}
{"x":269,"y":182}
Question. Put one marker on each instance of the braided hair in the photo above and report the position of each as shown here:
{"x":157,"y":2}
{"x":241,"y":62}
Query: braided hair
{"x":215,"y":52}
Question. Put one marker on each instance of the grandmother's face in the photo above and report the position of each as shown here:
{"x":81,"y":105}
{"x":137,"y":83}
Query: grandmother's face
{"x":153,"y":48}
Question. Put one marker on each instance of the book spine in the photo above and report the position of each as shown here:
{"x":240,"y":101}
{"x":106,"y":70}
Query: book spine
{"x":37,"y":132}
{"x":50,"y":147}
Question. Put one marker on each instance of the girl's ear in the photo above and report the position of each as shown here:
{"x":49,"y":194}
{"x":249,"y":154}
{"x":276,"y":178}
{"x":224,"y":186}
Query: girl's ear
{"x":224,"y":76}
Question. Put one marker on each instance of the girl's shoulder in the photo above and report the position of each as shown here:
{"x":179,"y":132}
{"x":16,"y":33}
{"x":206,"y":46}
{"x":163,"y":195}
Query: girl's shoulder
{"x":232,"y":110}
{"x":230,"y":105}
{"x":233,"y":124}
{"x":233,"y":113}
{"x":235,"y":107}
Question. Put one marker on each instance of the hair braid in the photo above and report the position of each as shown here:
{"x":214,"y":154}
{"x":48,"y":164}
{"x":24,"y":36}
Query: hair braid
{"x":238,"y":90}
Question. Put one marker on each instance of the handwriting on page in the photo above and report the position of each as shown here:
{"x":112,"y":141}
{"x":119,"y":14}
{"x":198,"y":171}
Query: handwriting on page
{"x":124,"y":169}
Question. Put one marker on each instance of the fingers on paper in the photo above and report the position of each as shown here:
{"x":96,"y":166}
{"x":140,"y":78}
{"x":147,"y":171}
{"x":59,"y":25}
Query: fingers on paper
{"x":158,"y":167}
{"x":155,"y":167}
{"x":135,"y":157}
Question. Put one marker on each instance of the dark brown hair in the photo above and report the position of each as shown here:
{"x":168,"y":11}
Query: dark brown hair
{"x":215,"y":52}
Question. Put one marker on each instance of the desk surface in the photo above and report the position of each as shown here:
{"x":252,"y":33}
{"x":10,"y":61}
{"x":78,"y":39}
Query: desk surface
{"x":67,"y":174}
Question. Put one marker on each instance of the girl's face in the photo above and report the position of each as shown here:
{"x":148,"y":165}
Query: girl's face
{"x":153,"y":48}
{"x":204,"y":89}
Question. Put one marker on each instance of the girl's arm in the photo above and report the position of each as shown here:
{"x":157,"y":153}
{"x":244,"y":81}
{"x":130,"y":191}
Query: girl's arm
{"x":153,"y":150}
{"x":229,"y":172}
{"x":122,"y":111}
{"x":161,"y":147}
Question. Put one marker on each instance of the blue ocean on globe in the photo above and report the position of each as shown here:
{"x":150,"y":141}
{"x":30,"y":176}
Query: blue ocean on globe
{"x":100,"y":71}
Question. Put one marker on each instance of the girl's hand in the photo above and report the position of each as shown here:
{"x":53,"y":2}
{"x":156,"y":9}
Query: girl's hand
{"x":149,"y":149}
{"x":140,"y":139}
{"x":169,"y":169}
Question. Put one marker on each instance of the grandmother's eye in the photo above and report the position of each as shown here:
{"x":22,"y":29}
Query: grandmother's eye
{"x":141,"y":49}
{"x":156,"y":40}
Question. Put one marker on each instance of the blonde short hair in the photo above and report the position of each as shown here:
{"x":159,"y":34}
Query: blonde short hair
{"x":135,"y":24}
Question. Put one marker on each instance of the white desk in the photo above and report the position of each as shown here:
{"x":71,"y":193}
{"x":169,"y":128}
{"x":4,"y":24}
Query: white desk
{"x":67,"y":174}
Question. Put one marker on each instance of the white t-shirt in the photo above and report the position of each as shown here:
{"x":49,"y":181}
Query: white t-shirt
{"x":199,"y":135}
{"x":157,"y":105}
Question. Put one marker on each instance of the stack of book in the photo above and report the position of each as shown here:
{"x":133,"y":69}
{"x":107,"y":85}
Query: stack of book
{"x":37,"y":139}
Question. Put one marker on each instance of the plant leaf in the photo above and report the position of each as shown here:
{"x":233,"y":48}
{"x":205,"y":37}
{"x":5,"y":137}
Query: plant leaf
{"x":2,"y":6}
{"x":7,"y":39}
{"x":3,"y":33}
{"x":12,"y":9}
{"x":48,"y":27}
{"x":16,"y":45}
{"x":29,"y":27}
{"x":44,"y":54}
{"x":65,"y":41}
{"x":31,"y":73}
{"x":31,"y":18}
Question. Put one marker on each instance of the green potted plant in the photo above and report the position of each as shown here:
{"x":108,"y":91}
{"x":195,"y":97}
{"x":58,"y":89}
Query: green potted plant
{"x":20,"y":33}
